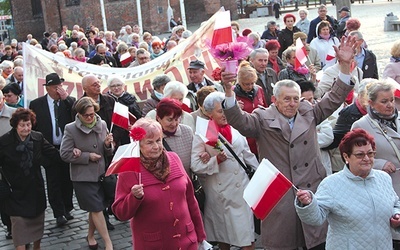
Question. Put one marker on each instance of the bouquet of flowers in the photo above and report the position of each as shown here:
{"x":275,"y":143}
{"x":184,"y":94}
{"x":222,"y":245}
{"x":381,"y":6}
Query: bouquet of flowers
{"x":231,"y":51}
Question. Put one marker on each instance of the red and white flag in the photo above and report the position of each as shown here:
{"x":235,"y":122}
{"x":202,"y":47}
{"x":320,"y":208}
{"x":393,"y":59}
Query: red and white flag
{"x":222,"y":29}
{"x":120,"y":115}
{"x":330,"y":55}
{"x":266,"y":189}
{"x":125,"y":59}
{"x":301,"y":54}
{"x":207,"y":130}
{"x":126,"y":159}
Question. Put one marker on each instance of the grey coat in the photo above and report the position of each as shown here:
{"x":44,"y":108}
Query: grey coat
{"x":296,"y":154}
{"x":76,"y":135}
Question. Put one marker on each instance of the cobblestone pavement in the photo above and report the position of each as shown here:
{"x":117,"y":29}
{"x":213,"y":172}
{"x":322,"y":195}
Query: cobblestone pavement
{"x":72,"y":235}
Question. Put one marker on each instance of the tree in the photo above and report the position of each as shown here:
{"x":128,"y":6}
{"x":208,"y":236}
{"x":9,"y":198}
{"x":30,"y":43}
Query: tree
{"x":5,"y":7}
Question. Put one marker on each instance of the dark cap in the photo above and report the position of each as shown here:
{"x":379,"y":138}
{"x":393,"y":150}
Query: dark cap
{"x":344,"y":8}
{"x":53,"y":79}
{"x":196,"y":65}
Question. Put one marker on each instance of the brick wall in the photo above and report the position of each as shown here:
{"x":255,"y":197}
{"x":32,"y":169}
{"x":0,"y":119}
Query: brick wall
{"x":118,"y":13}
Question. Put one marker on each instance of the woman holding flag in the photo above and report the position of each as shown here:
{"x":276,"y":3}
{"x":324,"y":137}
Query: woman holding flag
{"x":85,"y":144}
{"x":228,"y":220}
{"x":359,"y":202}
{"x":157,"y":195}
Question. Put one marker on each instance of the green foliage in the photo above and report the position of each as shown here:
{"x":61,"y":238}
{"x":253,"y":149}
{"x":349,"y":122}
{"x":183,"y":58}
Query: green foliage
{"x":5,"y":7}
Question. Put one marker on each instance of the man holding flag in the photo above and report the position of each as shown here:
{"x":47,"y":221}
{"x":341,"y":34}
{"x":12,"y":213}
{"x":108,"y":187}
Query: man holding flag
{"x":286,"y":135}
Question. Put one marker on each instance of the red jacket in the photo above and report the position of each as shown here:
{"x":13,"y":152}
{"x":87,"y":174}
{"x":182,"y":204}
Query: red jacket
{"x":168,"y":216}
{"x":249,"y":106}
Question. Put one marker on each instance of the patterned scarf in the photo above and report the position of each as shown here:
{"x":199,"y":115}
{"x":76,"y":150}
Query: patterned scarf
{"x":26,"y":154}
{"x":384,"y":120}
{"x":158,"y":167}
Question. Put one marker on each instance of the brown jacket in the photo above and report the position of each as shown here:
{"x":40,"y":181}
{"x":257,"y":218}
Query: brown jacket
{"x":296,"y":154}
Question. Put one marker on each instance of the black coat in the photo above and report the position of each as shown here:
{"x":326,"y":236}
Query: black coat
{"x":369,"y":67}
{"x":129,"y":101}
{"x":28,"y":197}
{"x":43,"y":118}
{"x":285,"y":38}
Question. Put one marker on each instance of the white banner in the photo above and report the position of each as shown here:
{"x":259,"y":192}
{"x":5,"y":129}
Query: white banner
{"x":39,"y":63}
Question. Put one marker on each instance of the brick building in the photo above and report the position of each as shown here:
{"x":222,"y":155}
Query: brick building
{"x":37,"y":16}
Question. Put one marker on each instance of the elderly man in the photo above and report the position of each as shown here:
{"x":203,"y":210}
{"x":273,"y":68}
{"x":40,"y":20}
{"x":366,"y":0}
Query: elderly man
{"x":53,"y":112}
{"x":5,"y":116}
{"x":142,"y":57}
{"x":17,"y":77}
{"x":286,"y":135}
{"x":322,"y":15}
{"x":366,"y":59}
{"x":266,"y":76}
{"x":196,"y":71}
{"x":127,"y":37}
{"x":344,"y":14}
{"x":101,"y":50}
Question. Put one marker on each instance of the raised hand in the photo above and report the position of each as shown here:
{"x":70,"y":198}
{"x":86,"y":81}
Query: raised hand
{"x":345,"y":53}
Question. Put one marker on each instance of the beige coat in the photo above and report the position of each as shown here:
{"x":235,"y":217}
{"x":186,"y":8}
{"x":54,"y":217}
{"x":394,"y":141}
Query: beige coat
{"x":296,"y":154}
{"x":227,"y":217}
{"x":88,"y":141}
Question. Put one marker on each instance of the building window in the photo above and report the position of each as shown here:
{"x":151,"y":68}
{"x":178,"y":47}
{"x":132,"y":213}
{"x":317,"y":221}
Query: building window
{"x":72,"y":2}
{"x":36,"y":8}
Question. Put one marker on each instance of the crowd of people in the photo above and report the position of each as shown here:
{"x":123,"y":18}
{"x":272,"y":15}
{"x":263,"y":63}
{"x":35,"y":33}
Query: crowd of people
{"x":330,"y":125}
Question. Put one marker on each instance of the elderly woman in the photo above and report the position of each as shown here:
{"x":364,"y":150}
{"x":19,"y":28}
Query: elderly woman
{"x":302,"y":73}
{"x":158,"y":83}
{"x":121,"y":49}
{"x":324,"y":43}
{"x":255,"y":40}
{"x":21,"y":151}
{"x":303,"y":24}
{"x":116,"y":89}
{"x":228,"y":220}
{"x":7,"y":67}
{"x":347,"y":116}
{"x":12,"y":94}
{"x":249,"y":95}
{"x":157,"y":49}
{"x":359,"y":202}
{"x":271,"y":33}
{"x":382,"y":122}
{"x":201,"y":94}
{"x":392,"y":69}
{"x":85,"y":144}
{"x":178,"y":91}
{"x":163,"y":186}
{"x":274,"y":61}
{"x":79,"y":55}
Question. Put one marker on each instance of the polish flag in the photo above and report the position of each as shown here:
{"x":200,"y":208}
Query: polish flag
{"x":125,"y":59}
{"x":266,"y":189}
{"x":330,"y":55}
{"x":301,"y":54}
{"x":207,"y":130}
{"x":126,"y":159}
{"x":120,"y":115}
{"x":222,"y":29}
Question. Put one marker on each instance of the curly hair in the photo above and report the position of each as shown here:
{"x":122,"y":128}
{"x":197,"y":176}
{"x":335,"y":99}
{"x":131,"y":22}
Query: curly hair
{"x":22,"y":114}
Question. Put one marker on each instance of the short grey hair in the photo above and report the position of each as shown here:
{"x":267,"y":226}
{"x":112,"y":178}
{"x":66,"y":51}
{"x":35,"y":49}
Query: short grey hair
{"x":173,"y":87}
{"x":288,"y":52}
{"x":160,"y":81}
{"x":121,"y":47}
{"x":254,"y":53}
{"x":62,"y":47}
{"x":6,"y":64}
{"x":379,"y":86}
{"x":186,"y":34}
{"x":270,"y":23}
{"x":357,"y":34}
{"x":115,"y":77}
{"x":212,"y":99}
{"x":303,"y":10}
{"x":285,"y":83}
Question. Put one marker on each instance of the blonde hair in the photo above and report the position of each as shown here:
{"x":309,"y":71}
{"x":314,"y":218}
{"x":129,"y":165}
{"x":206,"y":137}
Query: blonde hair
{"x":395,"y":50}
{"x":246,"y":72}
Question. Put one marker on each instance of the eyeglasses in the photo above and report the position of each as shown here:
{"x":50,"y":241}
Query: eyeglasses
{"x":116,"y":86}
{"x":370,"y":154}
{"x":88,"y":115}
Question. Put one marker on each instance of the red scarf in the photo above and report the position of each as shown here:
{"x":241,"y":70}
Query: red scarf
{"x":360,"y":107}
{"x":225,"y":130}
{"x":275,"y":65}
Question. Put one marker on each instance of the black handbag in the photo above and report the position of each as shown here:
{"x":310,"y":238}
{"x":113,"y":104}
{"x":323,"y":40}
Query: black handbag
{"x":198,"y":188}
{"x":109,"y":184}
{"x":5,"y":188}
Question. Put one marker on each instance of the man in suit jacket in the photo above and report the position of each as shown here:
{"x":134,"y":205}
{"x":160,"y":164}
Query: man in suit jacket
{"x":197,"y":81}
{"x":5,"y":116}
{"x":266,"y":76}
{"x":287,"y":136}
{"x":53,"y":112}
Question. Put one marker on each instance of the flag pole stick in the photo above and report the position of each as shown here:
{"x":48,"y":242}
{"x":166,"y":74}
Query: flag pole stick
{"x":112,"y":125}
{"x":295,"y":188}
{"x":140,"y":178}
